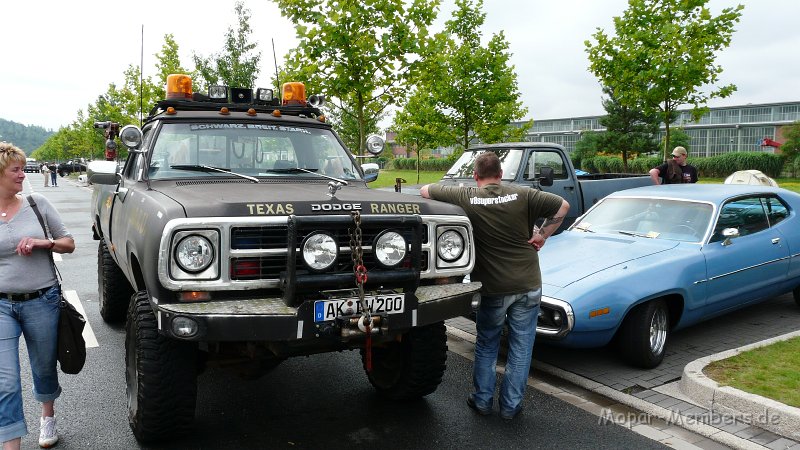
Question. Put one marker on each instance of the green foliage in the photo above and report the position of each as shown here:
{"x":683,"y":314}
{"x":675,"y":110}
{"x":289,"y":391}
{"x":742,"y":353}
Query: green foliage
{"x":359,"y":54}
{"x":790,"y":150}
{"x":629,"y":130}
{"x":237,"y":65}
{"x":586,"y":148}
{"x":662,"y":53}
{"x":432,"y":164}
{"x":26,"y":137}
{"x":723,"y":165}
{"x":465,"y":92}
{"x":678,"y":138}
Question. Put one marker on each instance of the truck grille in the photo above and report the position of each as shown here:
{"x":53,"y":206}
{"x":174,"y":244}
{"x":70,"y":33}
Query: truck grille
{"x":273,"y":240}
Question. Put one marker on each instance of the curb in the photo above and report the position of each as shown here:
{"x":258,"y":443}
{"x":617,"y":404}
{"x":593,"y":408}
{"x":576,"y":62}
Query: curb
{"x":753,"y":409}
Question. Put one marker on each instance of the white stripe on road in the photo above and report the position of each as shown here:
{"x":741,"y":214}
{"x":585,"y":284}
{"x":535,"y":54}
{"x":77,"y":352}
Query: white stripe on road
{"x":88,"y":333}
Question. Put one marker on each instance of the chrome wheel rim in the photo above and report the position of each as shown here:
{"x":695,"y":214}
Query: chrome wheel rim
{"x":658,"y":331}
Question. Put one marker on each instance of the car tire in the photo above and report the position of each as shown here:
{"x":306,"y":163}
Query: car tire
{"x":411,"y":368}
{"x":160,"y":376}
{"x":644,"y":334}
{"x":63,"y":173}
{"x":114,"y":291}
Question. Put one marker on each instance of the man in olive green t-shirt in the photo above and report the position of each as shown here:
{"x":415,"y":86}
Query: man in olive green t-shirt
{"x":503,"y":219}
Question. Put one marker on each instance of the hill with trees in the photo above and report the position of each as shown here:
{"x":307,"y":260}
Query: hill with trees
{"x":26,"y":137}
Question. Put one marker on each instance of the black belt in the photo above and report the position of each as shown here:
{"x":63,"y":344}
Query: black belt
{"x":24,"y":297}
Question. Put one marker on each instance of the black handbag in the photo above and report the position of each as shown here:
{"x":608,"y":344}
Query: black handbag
{"x":71,"y":345}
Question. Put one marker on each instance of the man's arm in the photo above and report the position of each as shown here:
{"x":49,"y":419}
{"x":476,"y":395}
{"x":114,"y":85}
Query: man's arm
{"x":549,"y":226}
{"x":655,"y":174}
{"x":423,"y":191}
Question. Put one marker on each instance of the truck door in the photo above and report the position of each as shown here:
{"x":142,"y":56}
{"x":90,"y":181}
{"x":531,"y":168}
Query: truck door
{"x":564,"y":182}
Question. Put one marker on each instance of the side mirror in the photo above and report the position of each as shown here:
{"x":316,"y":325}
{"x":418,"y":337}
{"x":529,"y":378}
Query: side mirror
{"x":102,"y":172}
{"x":370,"y":172}
{"x":546,"y":176}
{"x":729,"y":233}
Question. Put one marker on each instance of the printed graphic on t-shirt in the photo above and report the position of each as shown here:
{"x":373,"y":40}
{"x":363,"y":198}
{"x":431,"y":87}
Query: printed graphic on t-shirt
{"x":493,"y":200}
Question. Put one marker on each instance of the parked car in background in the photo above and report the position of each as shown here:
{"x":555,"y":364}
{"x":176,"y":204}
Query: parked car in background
{"x":32,"y":167}
{"x":68,"y":167}
{"x":645,"y":262}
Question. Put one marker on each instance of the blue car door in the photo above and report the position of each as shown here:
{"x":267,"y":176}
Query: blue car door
{"x":747,"y":267}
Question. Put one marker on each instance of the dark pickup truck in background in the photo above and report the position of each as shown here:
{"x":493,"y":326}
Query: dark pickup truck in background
{"x":68,"y":167}
{"x":522,"y":163}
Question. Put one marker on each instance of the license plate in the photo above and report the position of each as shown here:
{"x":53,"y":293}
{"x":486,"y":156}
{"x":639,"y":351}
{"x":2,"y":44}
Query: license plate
{"x":325,"y":310}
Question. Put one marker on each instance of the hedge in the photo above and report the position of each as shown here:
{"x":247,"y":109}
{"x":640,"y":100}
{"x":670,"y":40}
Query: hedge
{"x":719,"y":166}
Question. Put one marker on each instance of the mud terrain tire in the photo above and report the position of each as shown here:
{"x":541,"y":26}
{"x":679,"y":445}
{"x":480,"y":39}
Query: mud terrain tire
{"x":411,"y":368}
{"x":160,"y":377}
{"x":114,"y":291}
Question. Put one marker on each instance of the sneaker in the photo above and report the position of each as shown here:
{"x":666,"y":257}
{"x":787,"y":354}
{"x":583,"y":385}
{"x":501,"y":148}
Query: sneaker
{"x":48,"y":436}
{"x":481,"y":411}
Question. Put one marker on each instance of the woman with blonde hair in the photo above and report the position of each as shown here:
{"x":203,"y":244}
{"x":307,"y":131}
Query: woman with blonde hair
{"x":29,"y":300}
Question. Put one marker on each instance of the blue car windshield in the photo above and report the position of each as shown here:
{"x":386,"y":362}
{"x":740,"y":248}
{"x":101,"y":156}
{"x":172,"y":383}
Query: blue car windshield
{"x":649,"y":218}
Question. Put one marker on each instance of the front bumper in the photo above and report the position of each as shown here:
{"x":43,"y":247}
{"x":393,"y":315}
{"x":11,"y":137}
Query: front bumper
{"x":270,"y":319}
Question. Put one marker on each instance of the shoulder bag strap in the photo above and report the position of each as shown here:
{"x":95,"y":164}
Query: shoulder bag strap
{"x":32,"y":202}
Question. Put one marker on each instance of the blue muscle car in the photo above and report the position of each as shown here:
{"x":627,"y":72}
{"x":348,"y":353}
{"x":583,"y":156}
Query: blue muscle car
{"x":644,"y":262}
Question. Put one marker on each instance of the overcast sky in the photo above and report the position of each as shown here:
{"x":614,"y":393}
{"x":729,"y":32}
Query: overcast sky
{"x":58,"y":56}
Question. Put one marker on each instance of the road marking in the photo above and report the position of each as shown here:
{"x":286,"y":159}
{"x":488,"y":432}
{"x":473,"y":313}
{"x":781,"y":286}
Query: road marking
{"x":88,"y":333}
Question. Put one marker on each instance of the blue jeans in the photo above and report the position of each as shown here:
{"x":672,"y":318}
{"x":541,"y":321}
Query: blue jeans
{"x":37,"y":320}
{"x":54,"y":178}
{"x":521,"y":311}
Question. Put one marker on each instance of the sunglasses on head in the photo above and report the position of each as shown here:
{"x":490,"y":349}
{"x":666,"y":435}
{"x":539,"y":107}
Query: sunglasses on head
{"x":676,"y":156}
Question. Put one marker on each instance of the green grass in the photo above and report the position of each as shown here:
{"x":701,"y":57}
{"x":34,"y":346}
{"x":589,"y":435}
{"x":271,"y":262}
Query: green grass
{"x":769,"y":371}
{"x":386,"y":178}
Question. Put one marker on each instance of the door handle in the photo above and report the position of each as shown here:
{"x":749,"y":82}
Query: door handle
{"x":569,"y":188}
{"x":776,"y":240}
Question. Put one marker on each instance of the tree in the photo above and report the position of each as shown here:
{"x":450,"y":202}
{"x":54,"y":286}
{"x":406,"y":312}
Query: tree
{"x":629,"y":130}
{"x":360,"y":54}
{"x":474,"y":88}
{"x":237,"y":65}
{"x":663,"y":52}
{"x":677,"y":138}
{"x":168,"y":62}
{"x":790,"y":150}
{"x":587,"y":147}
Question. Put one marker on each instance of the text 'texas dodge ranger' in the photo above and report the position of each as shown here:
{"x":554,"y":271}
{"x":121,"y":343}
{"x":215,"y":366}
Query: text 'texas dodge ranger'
{"x":240,"y":232}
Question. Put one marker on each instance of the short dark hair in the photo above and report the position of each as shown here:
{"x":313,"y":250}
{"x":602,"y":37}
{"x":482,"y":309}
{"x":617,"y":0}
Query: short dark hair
{"x":487,"y":165}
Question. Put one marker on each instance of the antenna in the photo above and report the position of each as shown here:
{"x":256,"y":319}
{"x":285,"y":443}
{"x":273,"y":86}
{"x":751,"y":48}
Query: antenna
{"x":277,"y":77}
{"x":141,"y":79}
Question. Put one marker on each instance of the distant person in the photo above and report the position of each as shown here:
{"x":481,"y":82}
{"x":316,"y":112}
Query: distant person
{"x":676,"y":170}
{"x":29,"y":301}
{"x":507,"y":263}
{"x":46,"y":172}
{"x":53,"y":174}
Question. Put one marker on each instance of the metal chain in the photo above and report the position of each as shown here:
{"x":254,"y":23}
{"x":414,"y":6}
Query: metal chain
{"x":357,"y":254}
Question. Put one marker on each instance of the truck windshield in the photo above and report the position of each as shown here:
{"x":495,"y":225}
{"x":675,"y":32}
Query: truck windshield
{"x":251,"y":149}
{"x":509,"y":161}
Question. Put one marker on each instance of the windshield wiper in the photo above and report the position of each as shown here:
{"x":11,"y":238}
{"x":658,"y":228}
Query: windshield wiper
{"x":637,"y":234}
{"x":584,"y":228}
{"x":211,"y":169}
{"x":311,"y":171}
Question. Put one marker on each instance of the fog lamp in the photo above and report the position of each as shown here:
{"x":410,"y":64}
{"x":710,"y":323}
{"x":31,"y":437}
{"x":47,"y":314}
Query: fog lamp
{"x":184,"y":327}
{"x":320,"y":251}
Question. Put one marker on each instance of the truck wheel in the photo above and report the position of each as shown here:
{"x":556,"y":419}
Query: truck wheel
{"x":411,"y":368}
{"x":114,"y":291}
{"x":63,"y":173}
{"x":644,"y":333}
{"x":160,"y":377}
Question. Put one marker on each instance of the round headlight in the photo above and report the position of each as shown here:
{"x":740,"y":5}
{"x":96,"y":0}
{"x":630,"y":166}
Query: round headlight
{"x":450,"y":245}
{"x":194,"y":253}
{"x":320,"y":251}
{"x":390,"y":248}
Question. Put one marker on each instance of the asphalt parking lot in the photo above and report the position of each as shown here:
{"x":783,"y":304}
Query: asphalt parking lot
{"x":658,"y":386}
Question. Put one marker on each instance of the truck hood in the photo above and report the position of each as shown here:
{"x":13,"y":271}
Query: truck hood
{"x":233,"y":199}
{"x":574,"y":255}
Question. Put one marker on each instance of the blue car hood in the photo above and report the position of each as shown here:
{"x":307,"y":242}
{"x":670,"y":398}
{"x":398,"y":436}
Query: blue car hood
{"x":574,"y":255}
